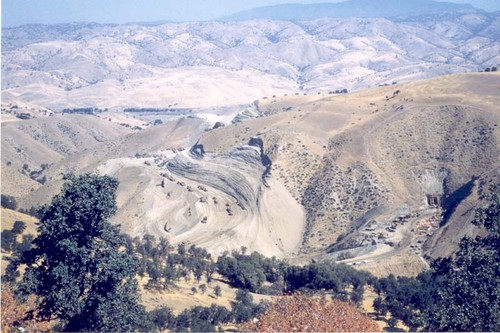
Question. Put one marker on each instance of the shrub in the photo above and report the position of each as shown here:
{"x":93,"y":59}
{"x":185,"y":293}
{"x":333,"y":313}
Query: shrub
{"x":308,"y":314}
{"x":8,"y":240}
{"x":14,"y":314}
{"x":9,"y":202}
{"x":18,"y":227}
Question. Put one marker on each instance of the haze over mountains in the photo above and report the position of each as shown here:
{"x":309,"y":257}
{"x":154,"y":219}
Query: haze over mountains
{"x":354,"y":8}
{"x":233,"y":132}
{"x":206,"y":64}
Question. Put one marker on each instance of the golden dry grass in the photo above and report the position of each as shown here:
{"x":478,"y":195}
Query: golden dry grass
{"x":8,"y":218}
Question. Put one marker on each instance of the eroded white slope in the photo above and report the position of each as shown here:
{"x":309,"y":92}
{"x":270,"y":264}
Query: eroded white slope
{"x":221,"y":202}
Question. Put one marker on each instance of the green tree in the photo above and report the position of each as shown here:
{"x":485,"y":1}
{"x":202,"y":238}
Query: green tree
{"x":242,"y":308}
{"x":357,"y":295}
{"x":203,"y":288}
{"x":78,"y":265}
{"x":8,"y":240}
{"x":199,"y":325}
{"x":380,"y":306}
{"x":243,"y":296}
{"x":163,"y":318}
{"x":9,"y":202}
{"x":18,"y":227}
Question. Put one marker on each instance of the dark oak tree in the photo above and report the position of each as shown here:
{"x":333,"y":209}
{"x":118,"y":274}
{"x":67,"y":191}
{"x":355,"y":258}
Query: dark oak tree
{"x":79,"y":266}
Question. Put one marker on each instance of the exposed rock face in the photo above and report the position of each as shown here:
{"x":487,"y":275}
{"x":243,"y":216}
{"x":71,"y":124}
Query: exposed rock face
{"x":266,"y":161}
{"x":218,"y":201}
{"x":237,"y":174}
{"x":432,"y":181}
{"x":251,"y":111}
{"x":360,"y":165}
{"x":197,"y":150}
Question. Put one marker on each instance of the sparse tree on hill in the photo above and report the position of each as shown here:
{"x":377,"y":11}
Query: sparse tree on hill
{"x":203,"y":288}
{"x":8,"y":240}
{"x":243,"y":308}
{"x":217,"y":291}
{"x":357,"y":295}
{"x":18,"y":227}
{"x":169,"y":276}
{"x":9,"y":202}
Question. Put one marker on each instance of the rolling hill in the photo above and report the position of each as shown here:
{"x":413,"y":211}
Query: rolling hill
{"x":324,"y":176}
{"x":241,"y":131}
{"x":47,"y":69}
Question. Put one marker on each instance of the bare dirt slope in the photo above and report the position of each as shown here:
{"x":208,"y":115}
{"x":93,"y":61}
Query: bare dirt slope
{"x":221,"y":202}
{"x":131,"y":143}
{"x":337,"y":176}
{"x":356,"y":163}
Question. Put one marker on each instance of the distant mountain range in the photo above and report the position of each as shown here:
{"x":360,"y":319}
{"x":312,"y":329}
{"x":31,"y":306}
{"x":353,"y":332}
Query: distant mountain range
{"x":353,"y":8}
{"x":209,"y":64}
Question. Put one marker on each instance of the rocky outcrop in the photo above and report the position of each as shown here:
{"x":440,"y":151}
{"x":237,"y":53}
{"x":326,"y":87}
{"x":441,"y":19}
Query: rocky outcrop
{"x":220,"y":201}
{"x":251,"y":111}
{"x":238,"y":173}
{"x":266,"y":161}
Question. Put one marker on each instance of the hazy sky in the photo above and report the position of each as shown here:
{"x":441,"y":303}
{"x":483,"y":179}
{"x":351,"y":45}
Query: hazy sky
{"x":18,"y":12}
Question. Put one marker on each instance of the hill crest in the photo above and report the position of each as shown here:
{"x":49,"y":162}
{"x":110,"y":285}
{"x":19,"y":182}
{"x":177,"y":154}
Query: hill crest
{"x":346,"y":172}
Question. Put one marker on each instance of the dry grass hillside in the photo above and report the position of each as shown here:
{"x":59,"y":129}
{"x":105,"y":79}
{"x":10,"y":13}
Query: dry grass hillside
{"x":30,"y":147}
{"x":380,"y":178}
{"x":8,"y":217}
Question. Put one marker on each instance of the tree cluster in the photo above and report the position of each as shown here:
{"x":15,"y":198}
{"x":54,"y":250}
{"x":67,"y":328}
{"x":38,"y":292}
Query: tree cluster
{"x":87,"y":110}
{"x":163,"y":265}
{"x":251,"y":271}
{"x":259,"y":274}
{"x":207,"y":319}
{"x":337,"y":278}
{"x":195,"y":319}
{"x":81,"y":272}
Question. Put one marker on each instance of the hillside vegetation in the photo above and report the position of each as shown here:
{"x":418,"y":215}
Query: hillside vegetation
{"x":313,"y":167}
{"x":466,"y":282}
{"x":328,"y":176}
